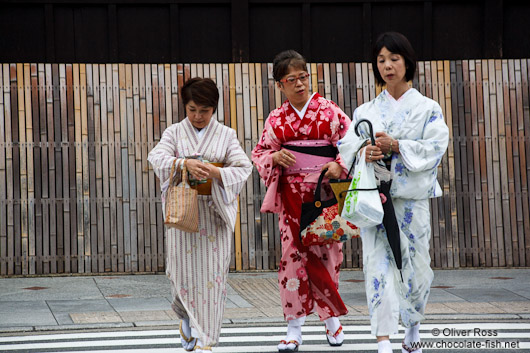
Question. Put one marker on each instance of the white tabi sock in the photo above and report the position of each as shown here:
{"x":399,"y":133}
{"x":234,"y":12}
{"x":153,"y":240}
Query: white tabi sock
{"x":332,"y":325}
{"x":412,"y":336}
{"x":294,"y":333}
{"x":384,"y":347}
{"x":186,"y":330}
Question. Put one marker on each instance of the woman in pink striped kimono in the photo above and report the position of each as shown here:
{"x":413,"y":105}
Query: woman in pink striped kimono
{"x":197,"y":263}
{"x":298,"y":142}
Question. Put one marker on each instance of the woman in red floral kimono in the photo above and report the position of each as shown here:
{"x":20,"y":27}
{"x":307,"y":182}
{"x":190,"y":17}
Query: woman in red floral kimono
{"x":308,"y":276}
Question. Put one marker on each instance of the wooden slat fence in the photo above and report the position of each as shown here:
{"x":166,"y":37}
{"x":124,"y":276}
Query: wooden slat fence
{"x":78,"y":196}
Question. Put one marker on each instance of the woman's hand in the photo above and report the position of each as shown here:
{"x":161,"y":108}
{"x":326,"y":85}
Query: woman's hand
{"x":283,"y":158}
{"x":386,"y":143}
{"x":213,"y":171}
{"x":334,"y":170}
{"x":373,"y":153}
{"x":197,"y":169}
{"x":200,"y":170}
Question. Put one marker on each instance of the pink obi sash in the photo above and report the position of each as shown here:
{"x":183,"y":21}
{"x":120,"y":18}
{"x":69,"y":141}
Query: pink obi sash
{"x":310,"y":155}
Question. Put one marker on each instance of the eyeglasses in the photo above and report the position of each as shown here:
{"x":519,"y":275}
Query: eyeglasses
{"x":292,"y":80}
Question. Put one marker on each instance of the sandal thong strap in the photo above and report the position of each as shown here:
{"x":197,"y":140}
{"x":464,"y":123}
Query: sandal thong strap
{"x":407,"y":348}
{"x":283,"y":342}
{"x":208,"y":348}
{"x":335,"y":334}
{"x":186,"y":338}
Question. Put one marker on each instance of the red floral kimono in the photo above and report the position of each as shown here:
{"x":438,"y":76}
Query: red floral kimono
{"x":308,"y":276}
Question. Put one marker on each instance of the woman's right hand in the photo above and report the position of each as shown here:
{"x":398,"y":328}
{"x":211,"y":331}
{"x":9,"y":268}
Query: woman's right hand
{"x":197,"y":169}
{"x":283,"y":158}
{"x":372,"y":153}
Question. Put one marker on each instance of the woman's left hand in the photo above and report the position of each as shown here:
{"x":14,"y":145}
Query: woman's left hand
{"x":334,"y":170}
{"x":384,"y":141}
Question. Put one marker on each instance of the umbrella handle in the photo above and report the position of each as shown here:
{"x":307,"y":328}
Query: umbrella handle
{"x":372,"y":139}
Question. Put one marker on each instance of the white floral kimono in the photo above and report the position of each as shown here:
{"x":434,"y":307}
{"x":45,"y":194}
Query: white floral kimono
{"x":197,"y":263}
{"x":417,"y":122}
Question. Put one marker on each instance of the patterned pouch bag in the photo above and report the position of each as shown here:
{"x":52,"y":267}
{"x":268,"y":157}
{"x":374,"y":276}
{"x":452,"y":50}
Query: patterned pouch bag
{"x":320,"y":222}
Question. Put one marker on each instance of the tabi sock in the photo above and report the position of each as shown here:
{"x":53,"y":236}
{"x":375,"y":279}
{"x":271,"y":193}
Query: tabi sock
{"x":384,"y":347}
{"x":332,"y":325}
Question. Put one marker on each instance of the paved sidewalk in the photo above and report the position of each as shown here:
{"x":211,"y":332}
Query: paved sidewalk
{"x":86,"y":302}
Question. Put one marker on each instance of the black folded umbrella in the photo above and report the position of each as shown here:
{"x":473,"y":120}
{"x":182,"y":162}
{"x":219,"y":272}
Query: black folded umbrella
{"x":389,"y":219}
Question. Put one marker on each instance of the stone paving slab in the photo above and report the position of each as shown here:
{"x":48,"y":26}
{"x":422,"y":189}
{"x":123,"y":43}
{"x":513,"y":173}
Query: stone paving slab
{"x":95,"y":317}
{"x":480,"y":295}
{"x":135,"y":304}
{"x":474,"y":308}
{"x":155,"y":315}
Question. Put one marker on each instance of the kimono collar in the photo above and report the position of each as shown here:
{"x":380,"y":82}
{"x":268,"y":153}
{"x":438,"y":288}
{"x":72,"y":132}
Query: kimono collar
{"x":301,"y":113}
{"x":311,"y":104}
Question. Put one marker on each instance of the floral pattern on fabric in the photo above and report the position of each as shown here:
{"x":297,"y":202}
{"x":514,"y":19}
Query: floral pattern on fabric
{"x":308,"y":277}
{"x":417,"y":123}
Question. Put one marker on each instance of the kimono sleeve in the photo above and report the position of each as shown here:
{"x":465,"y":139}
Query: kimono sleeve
{"x":164,"y":154}
{"x":262,"y":155}
{"x":426,"y":153}
{"x":236,"y":170}
{"x":350,"y":144}
{"x":339,"y":128}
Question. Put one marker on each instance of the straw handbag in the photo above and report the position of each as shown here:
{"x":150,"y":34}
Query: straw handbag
{"x":182,"y":207}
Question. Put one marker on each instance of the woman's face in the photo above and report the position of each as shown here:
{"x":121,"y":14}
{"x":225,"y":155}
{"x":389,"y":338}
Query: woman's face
{"x":199,"y":115}
{"x":391,"y":66}
{"x":295,"y":86}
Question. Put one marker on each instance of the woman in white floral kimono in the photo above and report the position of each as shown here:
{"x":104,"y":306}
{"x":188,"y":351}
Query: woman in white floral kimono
{"x":411,"y":138}
{"x":197,"y":263}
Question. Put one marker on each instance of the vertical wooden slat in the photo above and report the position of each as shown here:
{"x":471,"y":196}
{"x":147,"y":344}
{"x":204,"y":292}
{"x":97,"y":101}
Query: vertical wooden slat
{"x":94,"y":164}
{"x":522,"y":113}
{"x":13,"y":165}
{"x":138,"y":167}
{"x":510,"y":239}
{"x":252,"y":121}
{"x":152,"y":180}
{"x":491,"y":235}
{"x":24,"y":241}
{"x":524,"y":125}
{"x":472,"y":161}
{"x":55,"y":119}
{"x":132,"y":118}
{"x":238,"y":125}
{"x":3,"y":181}
{"x":86,"y":254}
{"x":504,"y":163}
{"x":458,"y":143}
{"x":498,"y":250}
{"x":101,"y":168}
{"x":78,"y":169}
{"x":111,"y":256}
{"x":72,"y":167}
{"x":143,"y":177}
{"x":515,"y":189}
{"x":238,"y":242}
{"x":124,"y":170}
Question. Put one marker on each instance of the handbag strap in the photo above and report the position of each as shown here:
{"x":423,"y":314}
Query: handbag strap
{"x":372,"y":139}
{"x":317,"y":189}
{"x":172,"y":173}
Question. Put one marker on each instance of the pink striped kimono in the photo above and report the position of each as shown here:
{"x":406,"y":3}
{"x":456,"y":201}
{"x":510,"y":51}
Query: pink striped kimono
{"x":197,"y":263}
{"x":308,"y":276}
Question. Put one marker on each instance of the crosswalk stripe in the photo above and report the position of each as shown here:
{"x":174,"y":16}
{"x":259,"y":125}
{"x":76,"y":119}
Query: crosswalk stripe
{"x":252,"y":339}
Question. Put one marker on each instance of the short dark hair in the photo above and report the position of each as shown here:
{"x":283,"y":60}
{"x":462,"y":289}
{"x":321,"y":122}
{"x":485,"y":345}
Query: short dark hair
{"x":286,"y":59}
{"x":202,"y":91}
{"x":396,"y":43}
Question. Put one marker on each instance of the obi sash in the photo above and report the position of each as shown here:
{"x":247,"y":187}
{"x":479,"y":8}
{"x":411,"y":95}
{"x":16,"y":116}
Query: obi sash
{"x":206,"y":188}
{"x":310,"y":155}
